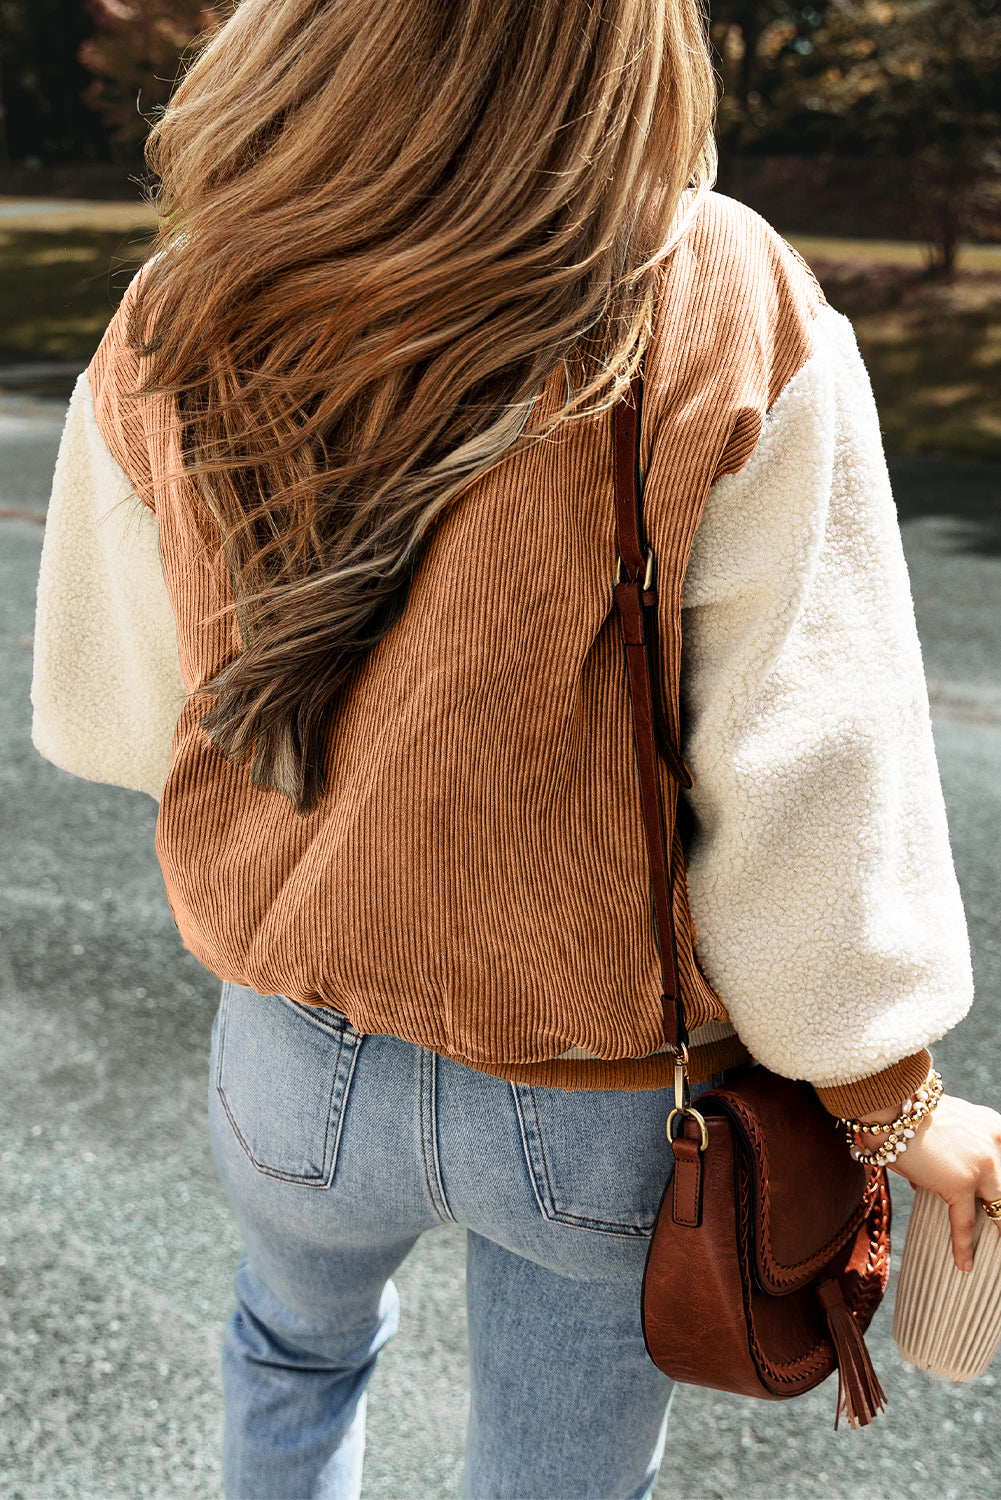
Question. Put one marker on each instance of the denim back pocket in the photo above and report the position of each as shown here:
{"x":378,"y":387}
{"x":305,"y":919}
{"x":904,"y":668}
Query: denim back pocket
{"x":283,"y":1072}
{"x":598,"y":1158}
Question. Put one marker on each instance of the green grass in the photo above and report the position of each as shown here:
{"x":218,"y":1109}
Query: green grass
{"x":59,"y":288}
{"x":933,"y":347}
{"x":890,"y":252}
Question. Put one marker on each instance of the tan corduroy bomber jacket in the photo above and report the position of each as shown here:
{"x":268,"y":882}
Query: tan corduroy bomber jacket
{"x":474,"y":878}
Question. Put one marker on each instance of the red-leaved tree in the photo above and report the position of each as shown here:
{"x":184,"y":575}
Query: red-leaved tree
{"x":135,"y":57}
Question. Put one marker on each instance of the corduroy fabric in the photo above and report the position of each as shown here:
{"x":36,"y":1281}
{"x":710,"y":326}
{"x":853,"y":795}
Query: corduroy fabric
{"x":475,"y":878}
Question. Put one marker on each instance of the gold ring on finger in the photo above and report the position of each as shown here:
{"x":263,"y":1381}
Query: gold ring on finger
{"x":992,"y":1210}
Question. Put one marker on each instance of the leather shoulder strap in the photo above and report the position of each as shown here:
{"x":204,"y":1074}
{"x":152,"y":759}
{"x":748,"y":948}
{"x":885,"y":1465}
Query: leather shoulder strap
{"x":635,"y":591}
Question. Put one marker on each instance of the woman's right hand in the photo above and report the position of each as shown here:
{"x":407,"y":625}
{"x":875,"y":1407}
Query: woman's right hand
{"x":956,"y":1153}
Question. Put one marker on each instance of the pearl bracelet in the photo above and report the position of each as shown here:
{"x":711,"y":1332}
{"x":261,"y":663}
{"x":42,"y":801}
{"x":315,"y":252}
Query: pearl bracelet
{"x":903,"y":1128}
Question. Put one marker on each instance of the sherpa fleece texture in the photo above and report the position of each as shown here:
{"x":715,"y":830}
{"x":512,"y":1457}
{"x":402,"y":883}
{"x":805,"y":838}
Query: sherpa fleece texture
{"x":821,"y":877}
{"x":822,"y":882}
{"x":107,"y":687}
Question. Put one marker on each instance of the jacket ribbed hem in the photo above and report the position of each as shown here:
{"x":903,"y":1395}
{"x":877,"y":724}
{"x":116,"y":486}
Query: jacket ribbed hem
{"x":629,"y":1073}
{"x":656,"y":1072}
{"x":881,"y":1091}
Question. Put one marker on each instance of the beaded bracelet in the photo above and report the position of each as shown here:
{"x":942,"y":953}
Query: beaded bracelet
{"x":901,"y":1130}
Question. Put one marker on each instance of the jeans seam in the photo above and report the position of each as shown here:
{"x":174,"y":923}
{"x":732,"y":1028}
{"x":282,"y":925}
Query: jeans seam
{"x":429,"y":1137}
{"x":542,"y":1149}
{"x":526,"y":1146}
{"x":343,"y":1102}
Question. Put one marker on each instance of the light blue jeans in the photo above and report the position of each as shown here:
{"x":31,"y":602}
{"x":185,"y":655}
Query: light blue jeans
{"x":338,"y":1151}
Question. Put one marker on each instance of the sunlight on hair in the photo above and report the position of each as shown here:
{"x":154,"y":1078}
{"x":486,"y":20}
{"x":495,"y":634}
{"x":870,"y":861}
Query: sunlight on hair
{"x":383,"y":230}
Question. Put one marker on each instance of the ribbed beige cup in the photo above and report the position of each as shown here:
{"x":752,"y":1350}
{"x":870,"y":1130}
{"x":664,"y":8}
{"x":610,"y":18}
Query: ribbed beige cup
{"x":946,"y":1320}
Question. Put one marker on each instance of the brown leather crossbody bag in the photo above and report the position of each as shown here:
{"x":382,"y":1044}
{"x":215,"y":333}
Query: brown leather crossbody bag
{"x":771,"y":1249}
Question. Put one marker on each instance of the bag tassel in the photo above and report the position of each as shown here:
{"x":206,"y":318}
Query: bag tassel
{"x":860,"y":1395}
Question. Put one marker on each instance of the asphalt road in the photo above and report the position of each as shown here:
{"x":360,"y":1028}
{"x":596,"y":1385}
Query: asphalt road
{"x":116,"y":1247}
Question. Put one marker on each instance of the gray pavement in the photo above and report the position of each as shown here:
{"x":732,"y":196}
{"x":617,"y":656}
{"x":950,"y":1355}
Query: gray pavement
{"x":116,"y":1247}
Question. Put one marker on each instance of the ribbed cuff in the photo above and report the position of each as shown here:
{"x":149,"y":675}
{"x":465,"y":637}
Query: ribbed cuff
{"x":880,"y":1091}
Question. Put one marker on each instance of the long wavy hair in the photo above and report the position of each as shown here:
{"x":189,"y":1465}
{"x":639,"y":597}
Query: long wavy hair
{"x":381,"y":228}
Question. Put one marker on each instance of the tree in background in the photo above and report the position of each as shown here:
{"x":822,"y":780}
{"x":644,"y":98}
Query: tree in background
{"x":756,"y":42}
{"x":916,"y":83}
{"x":42,"y":115}
{"x":135,"y":56}
{"x":902,"y":96}
{"x":895,"y":101}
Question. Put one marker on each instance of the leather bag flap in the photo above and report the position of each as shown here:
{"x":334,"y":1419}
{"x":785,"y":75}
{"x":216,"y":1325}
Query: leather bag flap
{"x":809,"y":1195}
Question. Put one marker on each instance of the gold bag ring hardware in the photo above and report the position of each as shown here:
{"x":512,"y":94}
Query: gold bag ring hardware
{"x":682,"y":1099}
{"x":648,"y":576}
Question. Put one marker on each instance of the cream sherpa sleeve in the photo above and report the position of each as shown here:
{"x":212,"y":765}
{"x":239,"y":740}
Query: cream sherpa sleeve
{"x":106,"y":687}
{"x":821,"y":877}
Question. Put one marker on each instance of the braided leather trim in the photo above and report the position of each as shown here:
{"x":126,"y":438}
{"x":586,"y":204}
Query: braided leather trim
{"x":874,"y":1278}
{"x":782,"y":1277}
{"x":811,"y":1368}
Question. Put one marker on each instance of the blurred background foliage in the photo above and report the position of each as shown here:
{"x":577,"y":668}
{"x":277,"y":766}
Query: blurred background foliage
{"x":908,"y":92}
{"x":134,"y":54}
{"x":867,"y":131}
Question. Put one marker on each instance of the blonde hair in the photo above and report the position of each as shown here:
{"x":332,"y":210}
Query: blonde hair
{"x":382,"y":228}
